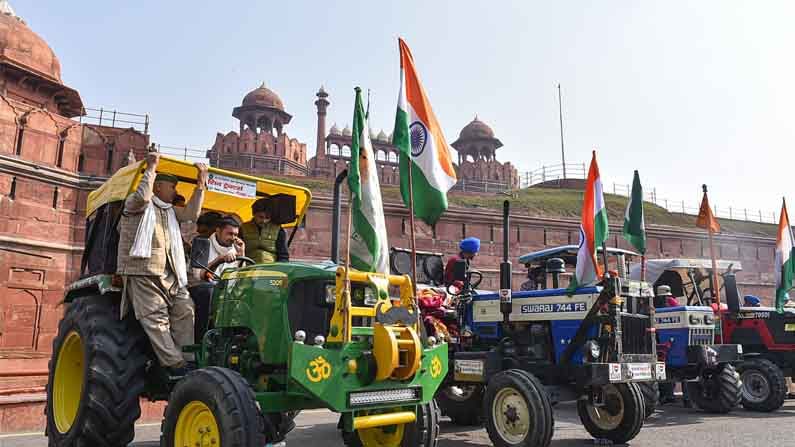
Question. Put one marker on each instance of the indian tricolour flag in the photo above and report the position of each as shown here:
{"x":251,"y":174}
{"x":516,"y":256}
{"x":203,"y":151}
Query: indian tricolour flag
{"x":785,"y":271}
{"x":369,"y":248}
{"x":593,"y":229}
{"x":422,"y":145}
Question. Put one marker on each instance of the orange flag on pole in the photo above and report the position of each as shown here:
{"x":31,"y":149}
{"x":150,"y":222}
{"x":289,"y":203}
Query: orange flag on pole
{"x":705,"y":218}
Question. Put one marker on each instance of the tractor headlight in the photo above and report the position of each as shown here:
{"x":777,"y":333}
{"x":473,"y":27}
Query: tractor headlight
{"x":695,"y":319}
{"x":593,"y":349}
{"x":331,"y":293}
{"x":370,"y":297}
{"x":709,"y":319}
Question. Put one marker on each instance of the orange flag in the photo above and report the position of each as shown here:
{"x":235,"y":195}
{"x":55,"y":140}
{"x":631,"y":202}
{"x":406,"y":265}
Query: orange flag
{"x":705,"y":218}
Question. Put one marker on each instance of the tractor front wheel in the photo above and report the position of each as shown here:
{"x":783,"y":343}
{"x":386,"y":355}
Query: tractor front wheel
{"x":423,"y":432}
{"x":96,"y":376}
{"x":717,"y":391}
{"x":616,"y":413}
{"x":763,"y":385}
{"x":213,"y":407}
{"x":517,"y":410}
{"x":463,"y":404}
{"x":651,"y":396}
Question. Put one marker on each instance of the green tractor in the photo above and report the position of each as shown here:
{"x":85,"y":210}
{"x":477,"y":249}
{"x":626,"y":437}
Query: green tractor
{"x":280,"y":338}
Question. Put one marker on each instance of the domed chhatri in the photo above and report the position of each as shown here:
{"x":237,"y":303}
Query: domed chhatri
{"x":263,"y":97}
{"x":346,"y":132}
{"x":477,"y":140}
{"x":21,"y":46}
{"x":334,"y":129}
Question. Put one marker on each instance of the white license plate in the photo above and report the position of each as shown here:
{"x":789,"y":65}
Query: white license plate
{"x":615,"y":372}
{"x":469,"y":367}
{"x":640,"y":371}
{"x":660,"y":371}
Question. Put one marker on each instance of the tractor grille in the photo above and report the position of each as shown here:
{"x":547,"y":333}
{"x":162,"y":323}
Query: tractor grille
{"x":635,"y":335}
{"x":702,"y":336}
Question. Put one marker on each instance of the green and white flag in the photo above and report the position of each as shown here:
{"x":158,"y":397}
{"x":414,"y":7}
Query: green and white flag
{"x":634,"y":223}
{"x":369,"y":247}
{"x":785,"y":270}
{"x":423,"y":148}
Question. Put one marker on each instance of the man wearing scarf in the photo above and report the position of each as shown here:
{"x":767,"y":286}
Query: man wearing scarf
{"x":151,"y":261}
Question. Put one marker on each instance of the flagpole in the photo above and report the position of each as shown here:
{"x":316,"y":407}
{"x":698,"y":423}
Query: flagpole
{"x":346,"y":308}
{"x":411,"y":224}
{"x":715,"y":284}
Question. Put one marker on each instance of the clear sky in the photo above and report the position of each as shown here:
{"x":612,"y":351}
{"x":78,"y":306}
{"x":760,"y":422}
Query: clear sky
{"x":686,"y":92}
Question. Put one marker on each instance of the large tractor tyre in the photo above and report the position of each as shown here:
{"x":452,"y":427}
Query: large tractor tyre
{"x":763,"y":385}
{"x":619,"y":417}
{"x":463,"y":404}
{"x":214,"y":407}
{"x":423,"y":432}
{"x":517,"y":410}
{"x":651,"y":396}
{"x":96,"y":376}
{"x":717,"y":391}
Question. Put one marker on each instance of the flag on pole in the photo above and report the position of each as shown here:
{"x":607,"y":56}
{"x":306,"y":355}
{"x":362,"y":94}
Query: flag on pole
{"x":634,"y":222}
{"x":785,"y":271}
{"x":369,"y":250}
{"x":705,"y":218}
{"x":593,"y":229}
{"x":423,"y":148}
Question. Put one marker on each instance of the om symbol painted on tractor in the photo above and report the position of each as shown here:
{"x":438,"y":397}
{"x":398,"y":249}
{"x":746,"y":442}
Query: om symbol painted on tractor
{"x":319,"y":370}
{"x":436,"y":367}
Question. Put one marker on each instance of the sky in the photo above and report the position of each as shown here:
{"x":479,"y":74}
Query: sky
{"x":685,"y":92}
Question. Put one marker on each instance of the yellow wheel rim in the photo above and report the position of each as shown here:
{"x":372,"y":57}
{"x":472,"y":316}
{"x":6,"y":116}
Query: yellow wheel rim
{"x":196,"y":427}
{"x":511,"y":415}
{"x":389,"y":436}
{"x":67,"y":387}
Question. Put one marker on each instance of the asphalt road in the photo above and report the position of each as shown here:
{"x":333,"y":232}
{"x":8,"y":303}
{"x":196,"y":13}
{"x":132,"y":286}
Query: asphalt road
{"x":673,"y":426}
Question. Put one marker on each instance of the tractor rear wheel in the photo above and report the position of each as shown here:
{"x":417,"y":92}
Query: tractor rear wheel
{"x":620,"y":415}
{"x":651,"y":396}
{"x":213,"y":407}
{"x":463,"y":404}
{"x":717,"y":391}
{"x":763,"y":385}
{"x":423,"y":432}
{"x":517,"y":410}
{"x":96,"y":375}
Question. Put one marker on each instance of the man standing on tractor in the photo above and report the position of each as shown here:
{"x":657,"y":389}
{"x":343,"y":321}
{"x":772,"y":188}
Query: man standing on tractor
{"x":152,"y":264}
{"x":266,"y":241}
{"x":469,"y":248}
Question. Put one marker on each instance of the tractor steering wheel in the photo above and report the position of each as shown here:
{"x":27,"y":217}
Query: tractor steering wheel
{"x":475,"y":278}
{"x":245,"y":260}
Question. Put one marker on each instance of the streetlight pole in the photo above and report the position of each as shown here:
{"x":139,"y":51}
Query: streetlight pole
{"x":560,"y":114}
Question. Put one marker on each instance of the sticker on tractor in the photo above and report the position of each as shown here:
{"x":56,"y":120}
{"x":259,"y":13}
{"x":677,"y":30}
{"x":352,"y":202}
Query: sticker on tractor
{"x":319,"y":370}
{"x":231,"y":186}
{"x":468,"y":370}
{"x":554,"y":308}
{"x":640,"y":371}
{"x":789,"y":327}
{"x":661,"y":371}
{"x":505,"y":296}
{"x":436,"y":367}
{"x":615,"y":372}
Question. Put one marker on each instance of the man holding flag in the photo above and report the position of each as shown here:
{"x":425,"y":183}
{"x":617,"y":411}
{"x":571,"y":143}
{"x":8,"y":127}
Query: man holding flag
{"x":593,"y":230}
{"x":784,"y":262}
{"x":369,"y":249}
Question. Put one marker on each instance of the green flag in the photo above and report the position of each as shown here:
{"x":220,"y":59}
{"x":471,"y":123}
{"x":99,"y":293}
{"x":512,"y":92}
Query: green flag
{"x":369,"y":247}
{"x":634,"y":223}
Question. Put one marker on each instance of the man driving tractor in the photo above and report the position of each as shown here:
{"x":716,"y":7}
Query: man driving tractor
{"x":152,"y":263}
{"x":468,"y":249}
{"x":265,"y":240}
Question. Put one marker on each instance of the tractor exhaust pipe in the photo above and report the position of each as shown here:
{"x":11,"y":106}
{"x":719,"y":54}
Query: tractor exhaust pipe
{"x":506,"y":304}
{"x":335,"y":218}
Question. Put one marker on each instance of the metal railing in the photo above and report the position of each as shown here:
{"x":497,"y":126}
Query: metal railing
{"x":579,"y":171}
{"x":184,"y":152}
{"x":114,"y":118}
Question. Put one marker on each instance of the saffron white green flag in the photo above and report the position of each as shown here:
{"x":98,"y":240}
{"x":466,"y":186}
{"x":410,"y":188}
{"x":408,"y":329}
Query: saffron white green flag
{"x":423,"y":148}
{"x":593,"y":229}
{"x":785,"y":270}
{"x":369,"y":247}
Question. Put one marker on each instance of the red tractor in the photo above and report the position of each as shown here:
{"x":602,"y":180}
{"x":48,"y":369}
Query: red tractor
{"x":766,"y":336}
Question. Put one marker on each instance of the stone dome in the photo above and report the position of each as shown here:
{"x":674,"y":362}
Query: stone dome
{"x":263,"y":97}
{"x":382,"y":136}
{"x":20,"y":46}
{"x":346,"y":132}
{"x":334,"y":130}
{"x":476,"y":129}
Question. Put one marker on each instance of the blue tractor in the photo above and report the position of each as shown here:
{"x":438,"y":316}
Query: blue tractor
{"x":516,"y":353}
{"x":687,"y":336}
